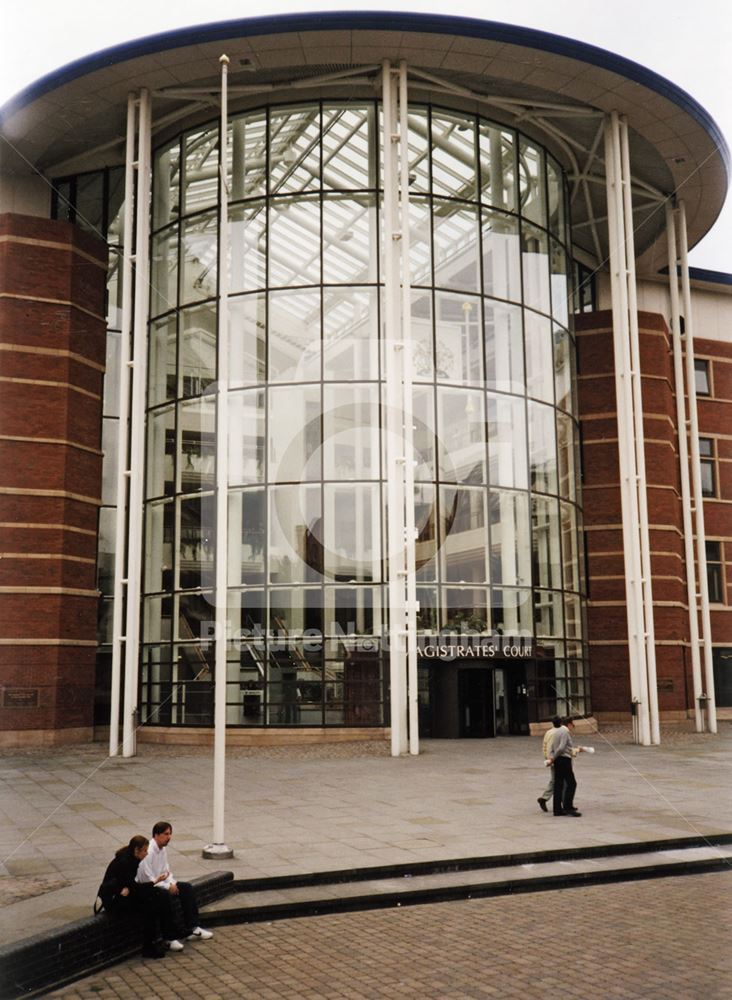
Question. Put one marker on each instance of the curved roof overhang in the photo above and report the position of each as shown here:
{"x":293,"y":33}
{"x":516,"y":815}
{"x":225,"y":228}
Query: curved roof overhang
{"x":551,"y":87}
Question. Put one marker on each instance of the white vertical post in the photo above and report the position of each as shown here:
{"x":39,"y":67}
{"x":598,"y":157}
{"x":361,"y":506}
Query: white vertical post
{"x":626,"y":448}
{"x":684,"y":469}
{"x":408,"y":430}
{"x":218,"y":848}
{"x":120,"y":531}
{"x":137,"y":431}
{"x":701,"y":553}
{"x":640,"y":449}
{"x":394,"y":357}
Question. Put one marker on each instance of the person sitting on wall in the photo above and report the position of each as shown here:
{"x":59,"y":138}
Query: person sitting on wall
{"x":155,"y":868}
{"x":123,"y":895}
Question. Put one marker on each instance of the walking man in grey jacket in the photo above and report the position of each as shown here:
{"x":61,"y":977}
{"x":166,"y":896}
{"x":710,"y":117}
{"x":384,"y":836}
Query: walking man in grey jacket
{"x":561,"y":752}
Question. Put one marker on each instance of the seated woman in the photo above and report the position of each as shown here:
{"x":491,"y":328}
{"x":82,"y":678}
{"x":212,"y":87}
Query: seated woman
{"x":122,"y":895}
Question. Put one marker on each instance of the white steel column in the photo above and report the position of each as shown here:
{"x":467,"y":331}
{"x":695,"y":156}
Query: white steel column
{"x":395,"y":458}
{"x":640,"y":445}
{"x":701,"y":553}
{"x":684,"y":468}
{"x":626,"y":444}
{"x":218,"y":848}
{"x":410,"y":532}
{"x":120,"y":532}
{"x":137,"y":431}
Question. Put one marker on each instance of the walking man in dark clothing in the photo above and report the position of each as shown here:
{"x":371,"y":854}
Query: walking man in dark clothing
{"x":561,"y":752}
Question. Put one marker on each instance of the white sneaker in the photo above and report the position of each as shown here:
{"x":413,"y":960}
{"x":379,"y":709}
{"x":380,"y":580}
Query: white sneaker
{"x":175,"y":945}
{"x":199,"y":934}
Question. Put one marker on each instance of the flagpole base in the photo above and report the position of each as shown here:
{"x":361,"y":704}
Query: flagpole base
{"x":217,"y":852}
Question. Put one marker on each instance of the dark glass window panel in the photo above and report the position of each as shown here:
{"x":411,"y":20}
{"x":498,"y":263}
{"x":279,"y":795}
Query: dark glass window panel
{"x":160,"y":479}
{"x":159,"y":546}
{"x":465,"y":609}
{"x":196,"y":617}
{"x":701,"y":376}
{"x":197,"y":543}
{"x":708,"y":478}
{"x":248,"y":536}
{"x":90,"y":202}
{"x":106,"y":548}
{"x":352,"y":610}
{"x":197,"y":456}
{"x":294,"y":611}
{"x":295,"y":534}
{"x":425,"y":520}
{"x":166,"y":185}
{"x":110,"y":448}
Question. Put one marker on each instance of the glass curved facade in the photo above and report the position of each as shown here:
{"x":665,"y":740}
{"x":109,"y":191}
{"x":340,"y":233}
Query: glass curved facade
{"x":496,"y":438}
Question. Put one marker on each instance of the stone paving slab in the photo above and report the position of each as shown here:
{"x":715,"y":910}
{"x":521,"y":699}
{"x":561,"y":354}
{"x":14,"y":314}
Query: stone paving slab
{"x":304,"y":809}
{"x":662,"y":940}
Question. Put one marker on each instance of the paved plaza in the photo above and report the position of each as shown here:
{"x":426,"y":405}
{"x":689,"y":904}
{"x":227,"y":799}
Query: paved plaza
{"x":304,"y":809}
{"x":666,"y":939}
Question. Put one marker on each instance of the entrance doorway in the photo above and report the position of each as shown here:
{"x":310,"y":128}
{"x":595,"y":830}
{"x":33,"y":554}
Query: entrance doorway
{"x":479,"y":701}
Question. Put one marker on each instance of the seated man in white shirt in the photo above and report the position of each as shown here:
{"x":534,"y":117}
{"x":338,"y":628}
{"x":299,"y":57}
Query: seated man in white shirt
{"x":155,"y":868}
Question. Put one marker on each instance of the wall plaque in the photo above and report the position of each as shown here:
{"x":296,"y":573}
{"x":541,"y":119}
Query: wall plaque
{"x":20,"y":697}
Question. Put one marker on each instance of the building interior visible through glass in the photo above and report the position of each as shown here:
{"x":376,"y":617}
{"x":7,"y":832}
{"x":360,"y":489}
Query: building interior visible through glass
{"x":497,"y":496}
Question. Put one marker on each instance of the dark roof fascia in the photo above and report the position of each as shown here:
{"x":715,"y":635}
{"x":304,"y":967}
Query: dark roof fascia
{"x":374,"y":21}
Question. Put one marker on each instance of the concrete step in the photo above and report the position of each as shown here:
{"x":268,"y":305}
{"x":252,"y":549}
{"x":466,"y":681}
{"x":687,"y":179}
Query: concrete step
{"x":258,"y":900}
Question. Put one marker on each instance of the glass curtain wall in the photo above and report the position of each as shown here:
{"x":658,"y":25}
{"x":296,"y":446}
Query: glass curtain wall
{"x":497,"y":467}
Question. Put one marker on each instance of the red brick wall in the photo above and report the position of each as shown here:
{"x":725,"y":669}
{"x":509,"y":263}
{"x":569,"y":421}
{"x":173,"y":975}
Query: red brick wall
{"x":607,"y":622}
{"x":52,"y":350}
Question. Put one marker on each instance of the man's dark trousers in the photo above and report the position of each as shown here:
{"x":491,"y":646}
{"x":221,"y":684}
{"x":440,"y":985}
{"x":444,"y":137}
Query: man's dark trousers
{"x":564,"y":785}
{"x":187,"y":899}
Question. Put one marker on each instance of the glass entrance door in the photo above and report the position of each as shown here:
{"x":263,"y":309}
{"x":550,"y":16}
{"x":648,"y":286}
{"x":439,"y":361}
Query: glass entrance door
{"x":475,"y":703}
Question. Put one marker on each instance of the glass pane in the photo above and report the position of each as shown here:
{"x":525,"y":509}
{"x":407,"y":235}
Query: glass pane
{"x":497,"y":167}
{"x":115,"y":204}
{"x":90,"y":202}
{"x":294,"y":149}
{"x":114,"y":289}
{"x":531,"y":180}
{"x":197,"y":368}
{"x":199,"y":238}
{"x":560,"y":283}
{"x":453,"y":155}
{"x":423,"y":411}
{"x":166,"y":180}
{"x":352,"y":530}
{"x":507,"y":441}
{"x":197,"y":458}
{"x":164,"y":271}
{"x":352,"y":610}
{"x":456,"y":243}
{"x":294,"y":242}
{"x":200,"y":173}
{"x":247,"y":340}
{"x":545,"y":542}
{"x":465,"y":609}
{"x":539,"y":361}
{"x":294,"y":433}
{"x":161,"y":381}
{"x":294,"y":336}
{"x":295,"y":610}
{"x":110,"y":440}
{"x":458,"y":338}
{"x":247,"y":247}
{"x":535,"y":262}
{"x":350,"y":333}
{"x":464,"y":542}
{"x":197,"y":543}
{"x":349,"y":147}
{"x":112,"y":375}
{"x":248,"y":155}
{"x":195,"y":619}
{"x":555,"y":187}
{"x":427,"y":616}
{"x":548,"y":614}
{"x":701,"y":376}
{"x":542,"y":448}
{"x":461,"y":435}
{"x":425,"y":522}
{"x":511,"y":612}
{"x":349,"y":239}
{"x":420,"y":242}
{"x":567,"y":449}
{"x":510,"y":546}
{"x":351,"y":432}
{"x":247,"y":537}
{"x":504,"y":347}
{"x":159,"y":540}
{"x":246,"y":437}
{"x":158,"y":619}
{"x":295,"y":534}
{"x":160,"y":479}
{"x":423,"y":367}
{"x":501,"y":256}
{"x":573,"y":616}
{"x":419,"y":166}
{"x":105,"y":558}
{"x":570,"y":547}
{"x":563,"y":368}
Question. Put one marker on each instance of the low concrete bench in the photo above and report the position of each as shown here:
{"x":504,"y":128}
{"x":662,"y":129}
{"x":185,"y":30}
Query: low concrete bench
{"x":47,"y":961}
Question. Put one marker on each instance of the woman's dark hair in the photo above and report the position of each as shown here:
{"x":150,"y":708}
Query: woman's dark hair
{"x":136,"y":842}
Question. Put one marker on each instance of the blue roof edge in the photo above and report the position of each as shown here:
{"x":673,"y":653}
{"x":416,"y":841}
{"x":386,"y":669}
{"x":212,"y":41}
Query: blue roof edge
{"x":375,"y":20}
{"x":714,"y":277}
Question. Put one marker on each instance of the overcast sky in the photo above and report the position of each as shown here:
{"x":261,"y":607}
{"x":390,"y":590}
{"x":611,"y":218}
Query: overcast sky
{"x":688,"y":41}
